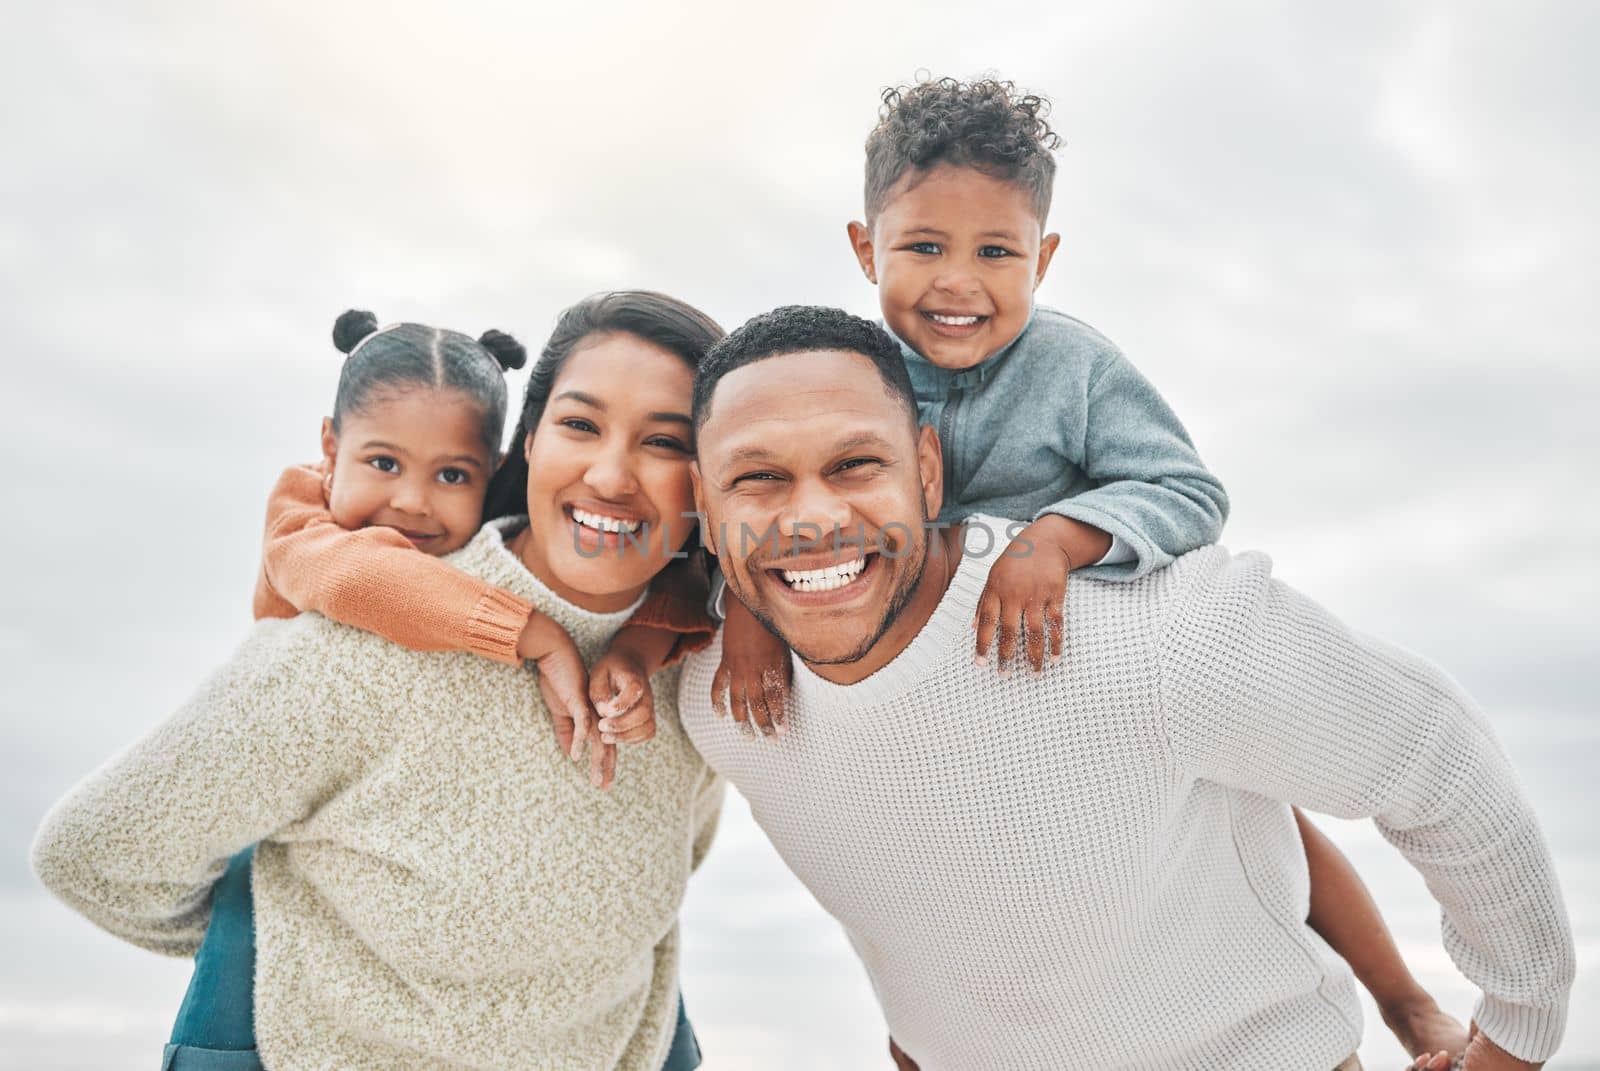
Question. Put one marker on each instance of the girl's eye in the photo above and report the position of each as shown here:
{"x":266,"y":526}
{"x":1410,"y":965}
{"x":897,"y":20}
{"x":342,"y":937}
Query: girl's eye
{"x":455,"y":477}
{"x":994,"y":252}
{"x":930,"y":248}
{"x":384,"y":463}
{"x":580,"y":424}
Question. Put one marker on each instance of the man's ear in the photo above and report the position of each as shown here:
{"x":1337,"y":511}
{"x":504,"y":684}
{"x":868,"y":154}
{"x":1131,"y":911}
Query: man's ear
{"x":930,"y":467}
{"x":700,"y":507}
{"x":330,"y":445}
{"x":861,"y":245}
{"x":1047,"y":252}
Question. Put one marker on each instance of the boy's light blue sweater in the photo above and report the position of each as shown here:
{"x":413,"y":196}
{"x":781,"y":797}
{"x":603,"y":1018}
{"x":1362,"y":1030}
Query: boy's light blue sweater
{"x":1060,"y":422}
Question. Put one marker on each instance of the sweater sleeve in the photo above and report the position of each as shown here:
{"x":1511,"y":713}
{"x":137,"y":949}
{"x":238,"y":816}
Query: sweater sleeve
{"x":1265,"y":691}
{"x":677,"y":603}
{"x":375,"y":580}
{"x":137,"y":845}
{"x":1153,"y":492}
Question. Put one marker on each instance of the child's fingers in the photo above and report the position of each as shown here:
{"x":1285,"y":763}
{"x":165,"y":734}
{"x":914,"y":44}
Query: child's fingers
{"x":737,"y":706}
{"x":760,"y":714}
{"x":627,"y":691}
{"x":776,"y":691}
{"x":719,"y":691}
{"x":1058,"y":629}
{"x":642,"y":735}
{"x":1007,"y":637}
{"x":602,"y":765}
{"x":1033,"y":636}
{"x":628,"y":720}
{"x":986,"y":621}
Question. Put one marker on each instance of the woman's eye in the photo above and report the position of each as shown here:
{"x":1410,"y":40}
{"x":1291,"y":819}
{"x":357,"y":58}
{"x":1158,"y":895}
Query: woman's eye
{"x":455,"y":477}
{"x":667,"y":442}
{"x":580,"y":424}
{"x":384,"y":464}
{"x":995,"y":252}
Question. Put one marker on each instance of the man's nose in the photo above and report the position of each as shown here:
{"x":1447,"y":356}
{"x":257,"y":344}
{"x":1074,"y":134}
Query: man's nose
{"x":816,"y":511}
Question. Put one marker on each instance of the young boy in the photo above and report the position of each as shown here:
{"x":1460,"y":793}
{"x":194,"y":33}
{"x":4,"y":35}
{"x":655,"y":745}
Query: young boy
{"x":1042,"y":419}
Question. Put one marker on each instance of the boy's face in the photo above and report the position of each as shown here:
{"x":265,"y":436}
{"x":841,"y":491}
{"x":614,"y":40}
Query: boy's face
{"x":956,"y":255}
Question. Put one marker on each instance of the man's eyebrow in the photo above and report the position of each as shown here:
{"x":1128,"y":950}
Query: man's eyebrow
{"x":744,"y":454}
{"x":861,"y":439}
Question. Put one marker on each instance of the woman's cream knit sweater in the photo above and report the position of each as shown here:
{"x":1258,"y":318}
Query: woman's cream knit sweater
{"x":436,"y":886}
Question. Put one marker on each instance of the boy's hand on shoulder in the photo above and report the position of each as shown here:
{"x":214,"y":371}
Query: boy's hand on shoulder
{"x":753,"y":679}
{"x":619,"y":688}
{"x":563,"y":681}
{"x":1027,"y":586}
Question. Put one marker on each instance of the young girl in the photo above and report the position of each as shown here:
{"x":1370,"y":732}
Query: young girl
{"x":407,"y":460}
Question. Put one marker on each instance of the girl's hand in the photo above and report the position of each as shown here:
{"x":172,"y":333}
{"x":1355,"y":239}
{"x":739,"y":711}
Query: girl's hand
{"x":754,"y":674}
{"x":563,"y":681}
{"x":620,"y":691}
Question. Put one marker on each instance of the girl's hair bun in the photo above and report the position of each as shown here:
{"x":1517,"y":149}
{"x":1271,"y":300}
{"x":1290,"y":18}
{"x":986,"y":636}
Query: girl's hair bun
{"x":351,"y":327}
{"x":503,"y":348}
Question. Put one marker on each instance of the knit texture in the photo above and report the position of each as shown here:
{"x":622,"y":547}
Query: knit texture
{"x":1093,"y":868}
{"x":436,"y":885}
{"x":375,"y":579}
{"x":1059,"y":421}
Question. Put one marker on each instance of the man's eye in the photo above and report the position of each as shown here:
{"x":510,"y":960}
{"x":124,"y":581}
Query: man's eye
{"x":995,"y":252}
{"x":384,"y":464}
{"x":580,"y":424}
{"x":857,"y":463}
{"x":455,"y":477}
{"x":764,"y":477}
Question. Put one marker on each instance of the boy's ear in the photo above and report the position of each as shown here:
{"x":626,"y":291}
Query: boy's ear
{"x":700,"y":508}
{"x":330,"y":444}
{"x":861,"y":245}
{"x":1047,"y":252}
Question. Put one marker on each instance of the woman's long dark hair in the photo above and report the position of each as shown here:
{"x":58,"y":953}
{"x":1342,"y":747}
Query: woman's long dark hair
{"x":655,"y":318}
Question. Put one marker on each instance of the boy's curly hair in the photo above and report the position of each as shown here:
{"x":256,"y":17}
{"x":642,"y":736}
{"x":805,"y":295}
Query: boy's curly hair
{"x":984,"y":124}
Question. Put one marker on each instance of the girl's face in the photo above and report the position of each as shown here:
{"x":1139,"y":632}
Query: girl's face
{"x":608,"y":472}
{"x":413,"y":460}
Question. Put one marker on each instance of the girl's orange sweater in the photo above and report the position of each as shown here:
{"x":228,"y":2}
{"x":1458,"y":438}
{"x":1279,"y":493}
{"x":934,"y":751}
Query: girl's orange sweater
{"x":375,"y":580}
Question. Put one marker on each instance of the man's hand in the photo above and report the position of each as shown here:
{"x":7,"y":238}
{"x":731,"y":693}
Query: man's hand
{"x":1485,"y":1055}
{"x":563,"y":681}
{"x":754,"y":675}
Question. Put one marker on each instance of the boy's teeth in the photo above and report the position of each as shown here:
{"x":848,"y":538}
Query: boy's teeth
{"x":953,"y":321}
{"x":834,"y":576}
{"x":603,"y":524}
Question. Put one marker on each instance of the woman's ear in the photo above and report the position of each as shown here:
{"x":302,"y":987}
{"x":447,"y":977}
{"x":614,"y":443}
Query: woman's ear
{"x":527,"y":448}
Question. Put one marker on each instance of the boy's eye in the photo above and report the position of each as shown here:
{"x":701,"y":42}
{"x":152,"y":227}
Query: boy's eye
{"x":384,"y":463}
{"x":454,"y":477}
{"x":995,"y":252}
{"x":580,"y":424}
{"x":930,"y":248}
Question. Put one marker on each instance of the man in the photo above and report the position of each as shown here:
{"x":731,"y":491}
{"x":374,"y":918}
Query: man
{"x":1098,"y":866}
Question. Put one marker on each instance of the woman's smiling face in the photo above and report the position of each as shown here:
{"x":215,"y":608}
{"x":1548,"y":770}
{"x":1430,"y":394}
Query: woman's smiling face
{"x":609,"y":498}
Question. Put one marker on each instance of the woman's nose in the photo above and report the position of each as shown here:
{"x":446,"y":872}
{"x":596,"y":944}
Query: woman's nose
{"x":611,"y":476}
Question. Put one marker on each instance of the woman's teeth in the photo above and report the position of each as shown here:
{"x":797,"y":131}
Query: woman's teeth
{"x":604,"y":524}
{"x":834,"y":576}
{"x":952,"y":321}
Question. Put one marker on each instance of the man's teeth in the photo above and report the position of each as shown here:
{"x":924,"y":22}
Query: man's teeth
{"x":603,"y":524}
{"x":834,"y":576}
{"x":953,"y":321}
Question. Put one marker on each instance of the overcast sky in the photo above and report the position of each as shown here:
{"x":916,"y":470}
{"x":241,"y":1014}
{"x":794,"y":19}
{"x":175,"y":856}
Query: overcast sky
{"x":1355,"y":245}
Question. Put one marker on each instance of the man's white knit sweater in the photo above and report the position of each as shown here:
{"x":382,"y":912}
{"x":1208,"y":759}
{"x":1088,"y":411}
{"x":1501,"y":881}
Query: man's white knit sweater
{"x":437,"y":885}
{"x":1092,"y":868}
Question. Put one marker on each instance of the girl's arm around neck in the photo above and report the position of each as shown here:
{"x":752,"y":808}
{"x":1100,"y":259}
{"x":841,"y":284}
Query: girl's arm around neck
{"x":375,"y":580}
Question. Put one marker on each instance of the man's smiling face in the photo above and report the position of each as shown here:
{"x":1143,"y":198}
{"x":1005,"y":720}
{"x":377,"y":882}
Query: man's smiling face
{"x":815,"y":485}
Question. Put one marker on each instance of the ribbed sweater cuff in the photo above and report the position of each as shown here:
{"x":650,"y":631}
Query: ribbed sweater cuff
{"x":496,"y":625}
{"x":1527,"y":1033}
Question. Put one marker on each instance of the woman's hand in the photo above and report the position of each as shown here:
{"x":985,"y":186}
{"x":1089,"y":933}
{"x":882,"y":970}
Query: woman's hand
{"x":619,"y":687}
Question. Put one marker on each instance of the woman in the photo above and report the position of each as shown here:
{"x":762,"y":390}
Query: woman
{"x":435,"y":881}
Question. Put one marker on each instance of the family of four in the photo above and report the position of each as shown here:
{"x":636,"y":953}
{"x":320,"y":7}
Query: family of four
{"x":1060,"y":829}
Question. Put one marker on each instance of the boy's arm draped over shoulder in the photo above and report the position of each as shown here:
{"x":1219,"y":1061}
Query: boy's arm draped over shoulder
{"x":1154,"y":493}
{"x":375,"y":580}
{"x":1264,"y":690}
{"x":137,"y":845}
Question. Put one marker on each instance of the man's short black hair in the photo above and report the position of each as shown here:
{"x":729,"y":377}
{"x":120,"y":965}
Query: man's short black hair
{"x":985,"y":124}
{"x":803,"y":329}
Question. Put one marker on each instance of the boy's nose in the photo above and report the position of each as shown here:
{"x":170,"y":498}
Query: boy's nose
{"x":957,"y":283}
